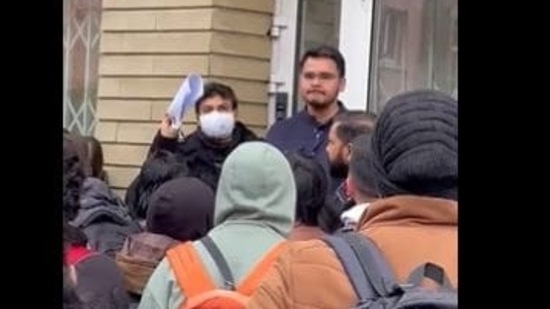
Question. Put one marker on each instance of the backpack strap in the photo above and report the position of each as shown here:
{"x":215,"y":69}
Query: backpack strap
{"x":189,"y":270}
{"x":365,"y":266}
{"x":221,"y":263}
{"x":373,"y":263}
{"x":252,"y":281}
{"x":352,"y":267}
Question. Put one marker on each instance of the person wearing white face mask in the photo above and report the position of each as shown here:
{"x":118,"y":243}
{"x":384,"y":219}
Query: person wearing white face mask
{"x":205,"y":149}
{"x":218,"y":125}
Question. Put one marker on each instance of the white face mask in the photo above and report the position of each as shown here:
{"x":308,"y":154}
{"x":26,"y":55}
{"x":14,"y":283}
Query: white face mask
{"x":216,"y":124}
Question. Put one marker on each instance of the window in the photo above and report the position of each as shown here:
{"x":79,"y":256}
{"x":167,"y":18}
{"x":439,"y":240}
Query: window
{"x":392,"y":36}
{"x":81,"y":31}
{"x":320,"y":23}
{"x":415,"y":45}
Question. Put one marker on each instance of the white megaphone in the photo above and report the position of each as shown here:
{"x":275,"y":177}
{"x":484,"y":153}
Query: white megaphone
{"x":190,"y":91}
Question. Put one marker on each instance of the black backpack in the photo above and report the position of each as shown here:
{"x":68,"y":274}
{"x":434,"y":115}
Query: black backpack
{"x":375,"y":284}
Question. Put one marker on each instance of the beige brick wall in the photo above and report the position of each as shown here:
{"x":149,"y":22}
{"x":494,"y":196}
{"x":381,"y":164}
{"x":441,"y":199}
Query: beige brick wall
{"x":149,"y":46}
{"x":155,"y":4}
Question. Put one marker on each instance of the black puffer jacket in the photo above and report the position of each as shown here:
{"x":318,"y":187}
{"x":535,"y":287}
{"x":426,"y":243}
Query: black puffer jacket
{"x":195,"y":156}
{"x":204,"y":158}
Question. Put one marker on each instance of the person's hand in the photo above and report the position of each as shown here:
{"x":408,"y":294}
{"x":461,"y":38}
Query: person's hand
{"x":166,"y":129}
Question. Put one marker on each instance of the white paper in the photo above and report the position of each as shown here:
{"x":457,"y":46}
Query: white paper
{"x":189,"y":92}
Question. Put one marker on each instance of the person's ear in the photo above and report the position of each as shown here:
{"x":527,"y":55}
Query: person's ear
{"x":346,"y":153}
{"x":342,"y":86}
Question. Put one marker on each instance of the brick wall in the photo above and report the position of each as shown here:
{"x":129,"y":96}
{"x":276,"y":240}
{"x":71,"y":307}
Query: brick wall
{"x":149,"y":46}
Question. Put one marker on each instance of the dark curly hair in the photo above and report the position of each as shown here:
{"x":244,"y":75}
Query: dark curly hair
{"x":214,"y":89}
{"x":72,"y":179}
{"x":164,"y":166}
{"x":90,"y":156}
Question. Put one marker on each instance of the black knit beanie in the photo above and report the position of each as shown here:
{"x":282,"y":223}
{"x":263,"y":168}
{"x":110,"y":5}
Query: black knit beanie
{"x":182,"y":208}
{"x":415,"y":146}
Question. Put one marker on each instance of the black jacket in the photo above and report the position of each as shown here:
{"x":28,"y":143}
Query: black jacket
{"x":199,"y":157}
{"x":203,"y":158}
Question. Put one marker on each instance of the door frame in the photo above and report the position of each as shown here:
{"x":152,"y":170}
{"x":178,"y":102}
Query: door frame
{"x":355,"y":43}
{"x":356,"y":29}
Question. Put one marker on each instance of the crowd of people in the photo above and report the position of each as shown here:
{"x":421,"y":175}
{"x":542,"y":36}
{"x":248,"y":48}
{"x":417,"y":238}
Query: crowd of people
{"x":223,"y":218}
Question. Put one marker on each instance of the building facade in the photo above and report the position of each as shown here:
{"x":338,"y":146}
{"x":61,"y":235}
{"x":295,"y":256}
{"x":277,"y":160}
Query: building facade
{"x":124,"y":59}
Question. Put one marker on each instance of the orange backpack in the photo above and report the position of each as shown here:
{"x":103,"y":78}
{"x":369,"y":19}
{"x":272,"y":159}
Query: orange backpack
{"x":200,"y":291}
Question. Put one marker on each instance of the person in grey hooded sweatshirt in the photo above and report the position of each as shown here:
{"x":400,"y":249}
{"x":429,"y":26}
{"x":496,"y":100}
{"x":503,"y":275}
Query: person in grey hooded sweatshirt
{"x":254,"y":211}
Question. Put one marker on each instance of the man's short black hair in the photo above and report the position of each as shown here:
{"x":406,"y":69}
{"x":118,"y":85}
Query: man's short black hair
{"x":351,"y":124}
{"x":360,"y":166}
{"x":214,"y":89}
{"x":326,"y":51}
{"x":311,"y":187}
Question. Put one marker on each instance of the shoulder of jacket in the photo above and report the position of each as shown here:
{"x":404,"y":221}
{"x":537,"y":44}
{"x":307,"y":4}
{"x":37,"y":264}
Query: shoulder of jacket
{"x":308,"y":251}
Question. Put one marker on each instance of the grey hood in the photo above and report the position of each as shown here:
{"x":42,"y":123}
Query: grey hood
{"x":96,"y":201}
{"x":256,"y":185}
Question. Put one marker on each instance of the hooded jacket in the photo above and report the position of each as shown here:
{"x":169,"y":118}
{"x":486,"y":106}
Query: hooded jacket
{"x":255,"y":206}
{"x":103,"y":217}
{"x":408,"y":230}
